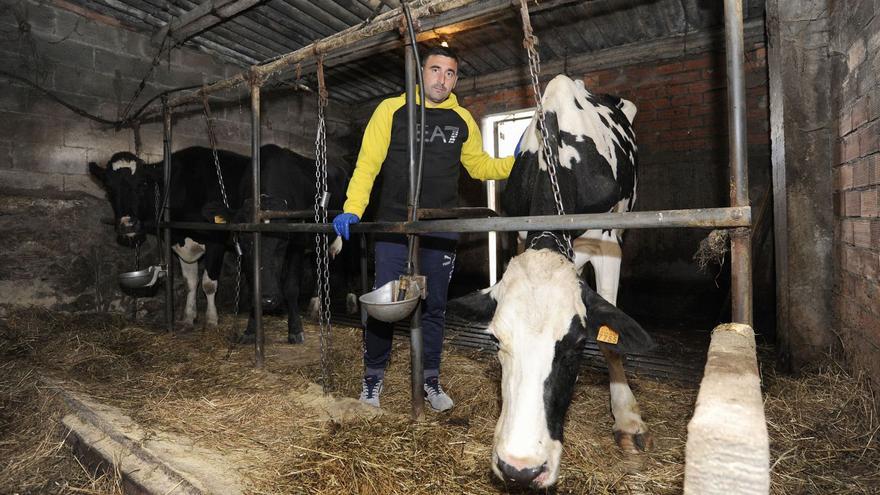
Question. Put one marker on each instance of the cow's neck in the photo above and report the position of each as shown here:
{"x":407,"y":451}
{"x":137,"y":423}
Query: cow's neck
{"x":552,"y":240}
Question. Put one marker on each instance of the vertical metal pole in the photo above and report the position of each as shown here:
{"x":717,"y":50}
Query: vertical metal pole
{"x":740,"y":243}
{"x":259,"y":339}
{"x":166,"y":215}
{"x":415,"y":334}
{"x":364,"y":277}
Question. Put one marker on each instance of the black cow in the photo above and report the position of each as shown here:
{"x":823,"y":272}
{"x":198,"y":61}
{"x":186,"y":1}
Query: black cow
{"x":287,"y":182}
{"x":134,"y":189}
{"x":541,"y":312}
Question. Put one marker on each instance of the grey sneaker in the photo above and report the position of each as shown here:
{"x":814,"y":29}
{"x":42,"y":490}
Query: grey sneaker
{"x":437,"y":398}
{"x":371,"y":389}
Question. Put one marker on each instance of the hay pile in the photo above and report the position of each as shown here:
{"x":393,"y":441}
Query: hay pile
{"x":285,"y":437}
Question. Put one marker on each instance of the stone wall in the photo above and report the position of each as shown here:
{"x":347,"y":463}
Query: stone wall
{"x":96,"y":65}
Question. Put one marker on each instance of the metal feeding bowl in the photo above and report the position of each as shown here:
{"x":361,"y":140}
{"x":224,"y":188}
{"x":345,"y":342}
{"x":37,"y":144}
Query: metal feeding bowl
{"x":141,"y":278}
{"x":381,"y":304}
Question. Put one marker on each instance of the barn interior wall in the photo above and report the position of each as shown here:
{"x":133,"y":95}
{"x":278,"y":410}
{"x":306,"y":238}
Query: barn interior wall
{"x":681,"y":130}
{"x":856,"y":168}
{"x":96,"y":64}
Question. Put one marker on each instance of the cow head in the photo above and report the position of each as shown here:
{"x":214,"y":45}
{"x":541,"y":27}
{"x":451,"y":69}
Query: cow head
{"x":542,"y":315}
{"x":131,"y":187}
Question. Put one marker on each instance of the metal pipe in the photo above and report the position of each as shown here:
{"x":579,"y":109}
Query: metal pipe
{"x":259,"y":339}
{"x":415,"y":334}
{"x":694,"y":218}
{"x":166,"y":214}
{"x":740,"y":241}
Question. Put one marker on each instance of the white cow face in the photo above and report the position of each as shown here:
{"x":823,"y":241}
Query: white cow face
{"x":542,"y":315}
{"x":130,"y":187}
{"x":539,"y":324}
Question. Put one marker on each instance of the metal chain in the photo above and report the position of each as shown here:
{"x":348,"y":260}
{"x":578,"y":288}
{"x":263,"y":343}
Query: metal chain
{"x":530,"y":43}
{"x":321,"y":249}
{"x":213,"y":140}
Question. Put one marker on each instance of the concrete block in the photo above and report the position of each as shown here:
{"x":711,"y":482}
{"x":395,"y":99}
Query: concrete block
{"x":95,"y":33}
{"x":82,"y":183}
{"x":728,"y":449}
{"x":25,"y":179}
{"x":86,"y":134}
{"x":70,"y":54}
{"x":14,"y":99}
{"x":85,"y":82}
{"x":6,"y":154}
{"x":51,"y":159}
{"x":110,"y":62}
{"x":21,"y":128}
{"x":149,"y":461}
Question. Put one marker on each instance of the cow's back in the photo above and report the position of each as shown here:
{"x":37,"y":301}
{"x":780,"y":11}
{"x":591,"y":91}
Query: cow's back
{"x":595,"y":144}
{"x":194,"y":181}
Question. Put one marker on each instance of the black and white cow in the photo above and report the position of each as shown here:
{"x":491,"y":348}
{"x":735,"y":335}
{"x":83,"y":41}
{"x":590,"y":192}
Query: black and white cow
{"x":287,"y":182}
{"x":542,"y":312}
{"x":134,"y":189}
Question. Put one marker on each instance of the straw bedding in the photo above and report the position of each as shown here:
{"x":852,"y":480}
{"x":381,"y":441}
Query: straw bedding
{"x":285,"y":436}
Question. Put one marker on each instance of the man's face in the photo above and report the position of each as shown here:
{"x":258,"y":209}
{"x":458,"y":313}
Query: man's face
{"x":440,"y":73}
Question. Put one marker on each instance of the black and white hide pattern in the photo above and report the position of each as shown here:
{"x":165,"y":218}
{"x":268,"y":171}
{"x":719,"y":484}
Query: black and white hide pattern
{"x":132,"y":187}
{"x":541,"y":312}
{"x":287,"y":182}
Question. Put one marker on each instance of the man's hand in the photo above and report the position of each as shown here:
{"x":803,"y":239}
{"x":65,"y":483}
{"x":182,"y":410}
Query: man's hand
{"x":341,"y":223}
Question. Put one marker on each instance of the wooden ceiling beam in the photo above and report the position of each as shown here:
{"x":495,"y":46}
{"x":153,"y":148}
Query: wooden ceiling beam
{"x":207,"y":15}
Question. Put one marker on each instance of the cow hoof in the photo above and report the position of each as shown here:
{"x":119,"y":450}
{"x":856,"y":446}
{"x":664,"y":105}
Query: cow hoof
{"x":295,"y":338}
{"x":634,"y":442}
{"x":246,"y":338}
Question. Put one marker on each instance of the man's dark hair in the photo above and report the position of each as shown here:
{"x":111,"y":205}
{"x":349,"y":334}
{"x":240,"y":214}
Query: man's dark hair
{"x":440,"y":50}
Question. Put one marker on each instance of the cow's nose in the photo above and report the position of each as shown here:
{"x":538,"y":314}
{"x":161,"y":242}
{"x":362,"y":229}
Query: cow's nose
{"x":523,"y":476}
{"x":270,"y":303}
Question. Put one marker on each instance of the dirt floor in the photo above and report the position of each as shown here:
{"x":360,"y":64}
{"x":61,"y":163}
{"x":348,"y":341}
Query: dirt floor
{"x":282,"y":435}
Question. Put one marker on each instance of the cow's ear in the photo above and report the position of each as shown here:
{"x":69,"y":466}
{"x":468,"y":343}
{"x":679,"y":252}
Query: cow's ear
{"x":99,"y":172}
{"x":628,"y":108}
{"x":606,"y":323}
{"x":476,"y":307}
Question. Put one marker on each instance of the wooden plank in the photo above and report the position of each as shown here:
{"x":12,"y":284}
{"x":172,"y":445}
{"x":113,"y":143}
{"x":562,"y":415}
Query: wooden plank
{"x":208,"y":14}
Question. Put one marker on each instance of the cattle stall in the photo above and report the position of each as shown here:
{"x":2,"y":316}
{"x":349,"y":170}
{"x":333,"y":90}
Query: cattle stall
{"x":808,"y":242}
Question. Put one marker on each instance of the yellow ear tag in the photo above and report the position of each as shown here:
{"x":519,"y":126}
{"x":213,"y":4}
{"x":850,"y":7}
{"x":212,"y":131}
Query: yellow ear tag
{"x":607,"y":335}
{"x":219,"y":219}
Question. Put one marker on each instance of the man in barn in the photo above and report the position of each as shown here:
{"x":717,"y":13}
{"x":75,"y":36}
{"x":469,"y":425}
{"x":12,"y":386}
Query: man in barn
{"x":451,"y":137}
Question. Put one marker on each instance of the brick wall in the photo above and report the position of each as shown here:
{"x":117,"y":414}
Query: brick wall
{"x":856,"y":28}
{"x":681,"y":131}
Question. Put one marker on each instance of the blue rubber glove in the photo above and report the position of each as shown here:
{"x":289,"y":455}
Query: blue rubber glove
{"x":341,"y":223}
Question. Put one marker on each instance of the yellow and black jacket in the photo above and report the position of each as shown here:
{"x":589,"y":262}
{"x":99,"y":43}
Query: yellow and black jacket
{"x":451,"y":138}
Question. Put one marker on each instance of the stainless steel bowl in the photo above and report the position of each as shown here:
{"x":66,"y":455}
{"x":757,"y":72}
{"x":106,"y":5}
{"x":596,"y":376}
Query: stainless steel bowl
{"x":379,"y":303}
{"x":141,"y":278}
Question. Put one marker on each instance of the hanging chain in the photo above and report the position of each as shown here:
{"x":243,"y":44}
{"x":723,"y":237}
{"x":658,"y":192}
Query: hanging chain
{"x":530,"y":43}
{"x":213,"y":140}
{"x":321,"y":250}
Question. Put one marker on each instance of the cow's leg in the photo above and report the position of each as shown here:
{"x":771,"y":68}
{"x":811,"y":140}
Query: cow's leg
{"x":191,"y":275}
{"x":189,"y":253}
{"x":213,"y":265}
{"x":291,"y":294}
{"x":630,"y":432}
{"x":607,"y":268}
{"x":209,"y":287}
